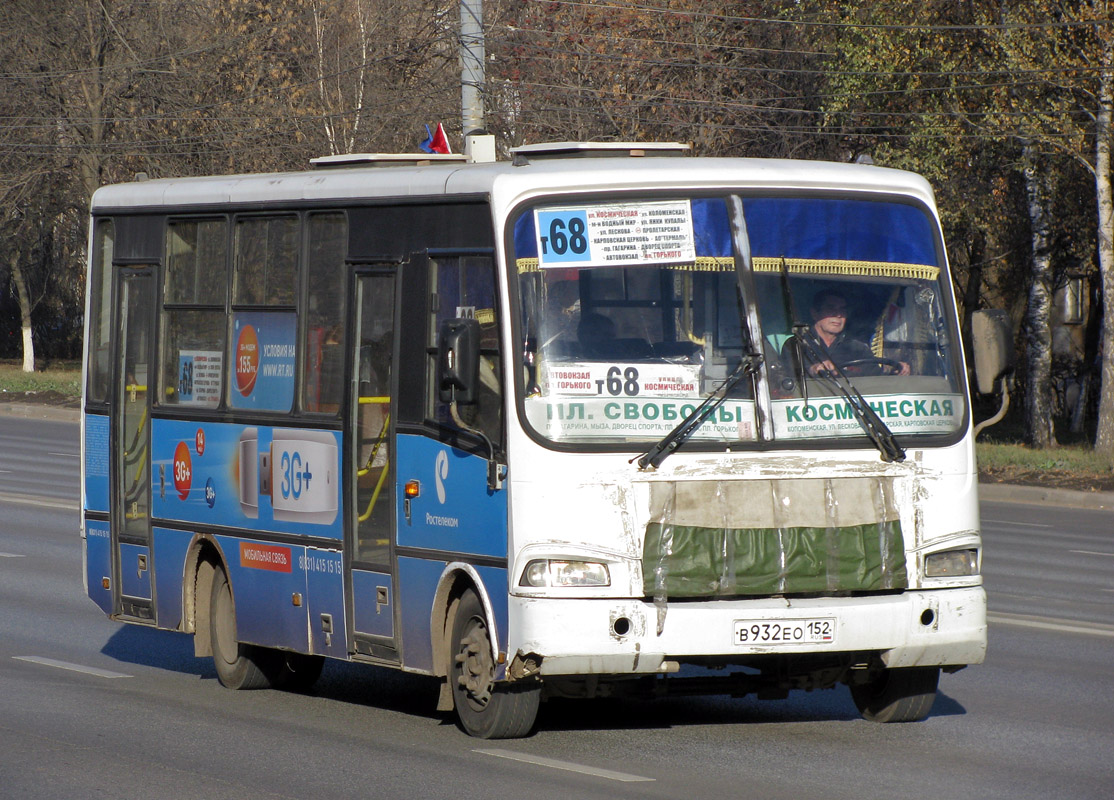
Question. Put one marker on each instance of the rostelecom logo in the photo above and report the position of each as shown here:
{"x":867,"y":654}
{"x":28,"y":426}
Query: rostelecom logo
{"x":441,"y":472}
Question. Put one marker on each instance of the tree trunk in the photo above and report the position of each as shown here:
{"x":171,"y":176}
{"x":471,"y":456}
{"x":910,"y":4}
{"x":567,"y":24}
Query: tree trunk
{"x":976,"y":252}
{"x":1104,"y":435}
{"x":1038,"y":331}
{"x":24,"y":310}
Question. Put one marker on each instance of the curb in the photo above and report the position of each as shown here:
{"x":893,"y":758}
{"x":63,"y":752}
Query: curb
{"x":40,"y":411}
{"x":1037,"y":495}
{"x":994,"y":492}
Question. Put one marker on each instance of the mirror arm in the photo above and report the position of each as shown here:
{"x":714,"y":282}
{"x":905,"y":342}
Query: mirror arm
{"x":496,"y":472}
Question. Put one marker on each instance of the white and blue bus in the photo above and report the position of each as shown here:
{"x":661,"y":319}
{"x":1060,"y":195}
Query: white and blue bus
{"x":606,"y":419}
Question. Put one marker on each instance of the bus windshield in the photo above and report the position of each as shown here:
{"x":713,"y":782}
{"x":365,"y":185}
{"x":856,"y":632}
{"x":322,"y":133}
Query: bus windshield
{"x":632,"y":315}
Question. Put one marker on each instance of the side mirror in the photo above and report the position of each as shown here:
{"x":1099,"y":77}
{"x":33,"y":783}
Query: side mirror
{"x":992,"y":342}
{"x":458,"y":360}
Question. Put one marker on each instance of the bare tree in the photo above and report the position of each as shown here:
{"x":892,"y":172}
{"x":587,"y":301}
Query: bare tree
{"x":697,"y":72}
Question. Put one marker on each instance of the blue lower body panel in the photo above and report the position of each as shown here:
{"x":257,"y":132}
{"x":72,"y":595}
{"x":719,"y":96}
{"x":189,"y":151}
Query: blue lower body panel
{"x":418,"y":579}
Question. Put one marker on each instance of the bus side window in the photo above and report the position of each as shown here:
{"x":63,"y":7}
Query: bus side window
{"x":100,"y":312}
{"x":464,"y":286}
{"x":323,"y":382}
{"x":193,"y":313}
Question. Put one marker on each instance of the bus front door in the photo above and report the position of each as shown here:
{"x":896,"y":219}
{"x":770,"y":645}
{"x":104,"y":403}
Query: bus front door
{"x":372,"y":534}
{"x":130,"y":473}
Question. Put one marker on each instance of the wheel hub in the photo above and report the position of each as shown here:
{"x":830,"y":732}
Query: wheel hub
{"x":477,"y":669}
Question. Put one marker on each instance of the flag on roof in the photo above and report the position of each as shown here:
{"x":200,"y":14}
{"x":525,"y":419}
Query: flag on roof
{"x":436,"y":142}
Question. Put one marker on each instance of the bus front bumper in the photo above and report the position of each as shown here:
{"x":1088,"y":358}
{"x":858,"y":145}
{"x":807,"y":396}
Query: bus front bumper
{"x":944,"y":627}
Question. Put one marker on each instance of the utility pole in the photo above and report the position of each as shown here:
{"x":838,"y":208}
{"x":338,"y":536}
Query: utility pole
{"x":478,"y":144}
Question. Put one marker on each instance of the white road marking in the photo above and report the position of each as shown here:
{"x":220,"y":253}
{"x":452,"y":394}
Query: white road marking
{"x":38,"y":500}
{"x":568,"y":766}
{"x":1091,"y":553}
{"x":1052,"y":624}
{"x":50,"y":662}
{"x":12,"y":555}
{"x":1018,"y":524}
{"x":68,"y":455}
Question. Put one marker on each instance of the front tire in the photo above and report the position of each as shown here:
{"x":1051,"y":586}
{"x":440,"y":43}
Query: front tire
{"x":238,"y":665}
{"x":897,"y":695}
{"x":486,"y":709}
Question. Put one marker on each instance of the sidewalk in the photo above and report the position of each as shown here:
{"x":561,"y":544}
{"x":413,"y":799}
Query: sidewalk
{"x":995,"y":492}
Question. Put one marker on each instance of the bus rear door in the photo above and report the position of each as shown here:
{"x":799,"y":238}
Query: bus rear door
{"x":130,"y":439}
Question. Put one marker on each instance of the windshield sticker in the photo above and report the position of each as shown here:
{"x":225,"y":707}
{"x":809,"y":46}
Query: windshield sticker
{"x":636,"y":418}
{"x":619,"y":235}
{"x":831,"y":416}
{"x":608,"y":418}
{"x":595,"y":379}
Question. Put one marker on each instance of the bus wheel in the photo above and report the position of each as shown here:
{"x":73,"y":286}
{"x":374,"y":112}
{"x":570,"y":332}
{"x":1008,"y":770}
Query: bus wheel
{"x":299,"y":671}
{"x":239,"y":666}
{"x":897,"y":695}
{"x":486,"y":709}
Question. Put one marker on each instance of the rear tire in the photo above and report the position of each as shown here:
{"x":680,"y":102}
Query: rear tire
{"x":238,"y":665}
{"x":897,"y":695}
{"x":486,"y":709}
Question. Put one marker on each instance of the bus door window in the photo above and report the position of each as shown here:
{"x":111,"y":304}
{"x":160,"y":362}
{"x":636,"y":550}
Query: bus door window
{"x":464,"y":286}
{"x":374,"y":487}
{"x":323,"y":382}
{"x":134,"y":488}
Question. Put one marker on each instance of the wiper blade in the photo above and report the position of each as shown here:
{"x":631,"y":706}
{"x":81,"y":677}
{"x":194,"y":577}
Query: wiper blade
{"x":806,"y":340}
{"x":837,"y":379}
{"x":749,"y":365}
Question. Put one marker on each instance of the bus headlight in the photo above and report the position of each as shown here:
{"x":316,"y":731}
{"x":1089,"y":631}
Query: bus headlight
{"x":542,"y":573}
{"x":951,"y":564}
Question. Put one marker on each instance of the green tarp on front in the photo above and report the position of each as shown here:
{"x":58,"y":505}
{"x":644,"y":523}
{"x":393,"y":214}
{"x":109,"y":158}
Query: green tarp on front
{"x":690,"y":561}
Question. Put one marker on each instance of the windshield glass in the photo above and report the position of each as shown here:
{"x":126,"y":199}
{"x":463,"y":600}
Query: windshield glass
{"x":631,"y":317}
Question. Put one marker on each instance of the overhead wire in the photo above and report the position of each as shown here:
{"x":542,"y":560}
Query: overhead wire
{"x":595,"y":5}
{"x":209,"y":113}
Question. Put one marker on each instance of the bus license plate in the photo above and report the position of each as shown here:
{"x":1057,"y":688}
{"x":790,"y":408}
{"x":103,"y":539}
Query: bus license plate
{"x":785,"y":631}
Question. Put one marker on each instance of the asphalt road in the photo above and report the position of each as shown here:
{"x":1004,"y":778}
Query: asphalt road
{"x":90,"y":708}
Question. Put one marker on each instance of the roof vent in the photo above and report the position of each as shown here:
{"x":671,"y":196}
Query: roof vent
{"x":386,"y":160}
{"x":547,"y":150}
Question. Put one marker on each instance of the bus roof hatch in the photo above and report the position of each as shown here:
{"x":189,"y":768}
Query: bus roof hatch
{"x":386,"y":160}
{"x":545,"y":150}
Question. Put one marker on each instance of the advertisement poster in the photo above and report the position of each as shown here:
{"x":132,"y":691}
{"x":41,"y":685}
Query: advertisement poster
{"x":263,"y":350}
{"x":254,"y":477}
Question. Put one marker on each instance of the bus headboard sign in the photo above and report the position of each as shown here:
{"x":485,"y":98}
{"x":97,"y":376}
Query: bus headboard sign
{"x":619,"y":235}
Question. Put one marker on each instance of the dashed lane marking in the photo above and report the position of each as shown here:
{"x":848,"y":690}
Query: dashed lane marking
{"x":567,"y":766}
{"x":50,"y":662}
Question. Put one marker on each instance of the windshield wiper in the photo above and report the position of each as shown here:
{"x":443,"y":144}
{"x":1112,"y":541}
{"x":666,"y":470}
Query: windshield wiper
{"x":806,"y":340}
{"x":748,"y":366}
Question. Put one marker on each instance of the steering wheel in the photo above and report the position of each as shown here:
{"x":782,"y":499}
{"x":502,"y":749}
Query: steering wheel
{"x":863,"y":366}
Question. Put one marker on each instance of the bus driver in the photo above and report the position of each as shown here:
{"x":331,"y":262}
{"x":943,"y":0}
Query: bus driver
{"x":829,"y":318}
